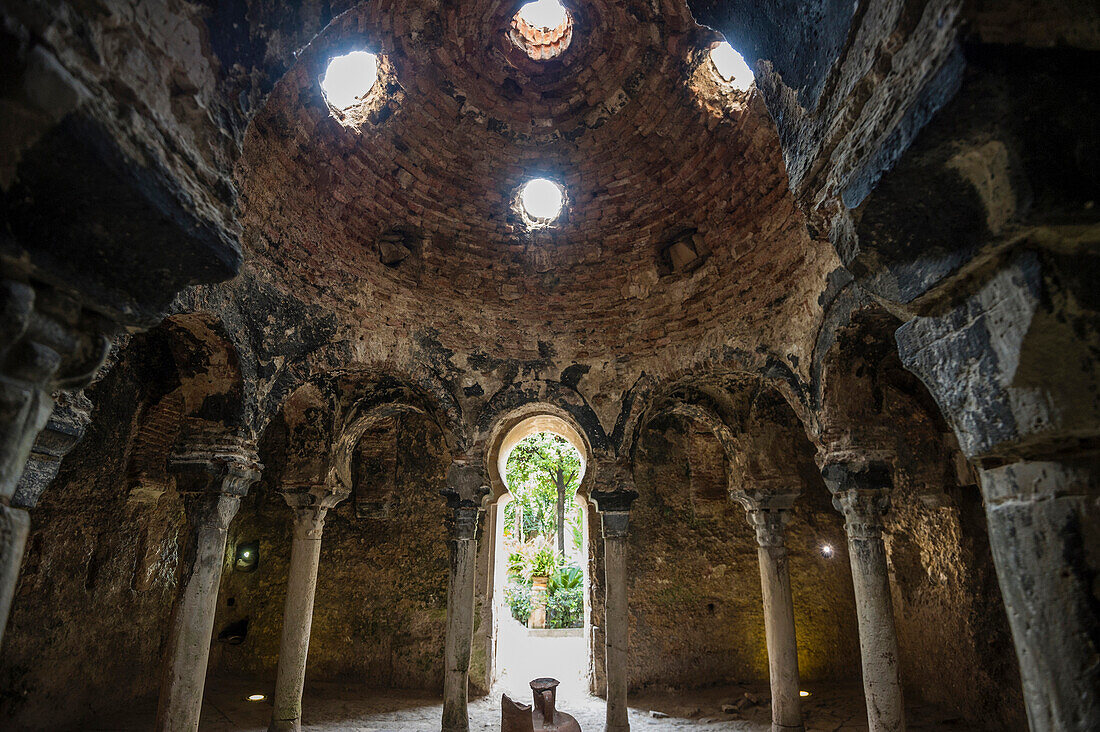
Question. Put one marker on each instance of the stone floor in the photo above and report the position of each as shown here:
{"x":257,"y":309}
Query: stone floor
{"x":344,"y":707}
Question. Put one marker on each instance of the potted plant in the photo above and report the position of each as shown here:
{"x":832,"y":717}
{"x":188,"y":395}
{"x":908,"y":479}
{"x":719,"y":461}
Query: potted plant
{"x":544,"y":563}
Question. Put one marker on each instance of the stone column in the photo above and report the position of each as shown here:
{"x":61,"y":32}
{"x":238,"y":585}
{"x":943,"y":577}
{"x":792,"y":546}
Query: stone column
{"x":862,"y":496}
{"x":614,"y":508}
{"x":310,"y":504}
{"x":466,"y":487}
{"x":769,"y":516}
{"x":213,"y":472}
{"x":47,"y":342}
{"x":1012,"y":364}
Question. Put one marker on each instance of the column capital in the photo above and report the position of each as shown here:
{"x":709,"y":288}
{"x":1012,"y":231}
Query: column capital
{"x":861,"y":491}
{"x":215,"y":461}
{"x":48,"y":339}
{"x":614,"y":507}
{"x":864,"y":511}
{"x":311,"y":504}
{"x":462,"y":522}
{"x":467,"y":483}
{"x":768,"y":512}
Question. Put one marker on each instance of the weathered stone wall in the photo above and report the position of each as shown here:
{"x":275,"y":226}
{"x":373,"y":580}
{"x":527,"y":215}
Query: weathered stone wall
{"x":695,"y":599}
{"x":382,"y":587}
{"x":87,"y":624}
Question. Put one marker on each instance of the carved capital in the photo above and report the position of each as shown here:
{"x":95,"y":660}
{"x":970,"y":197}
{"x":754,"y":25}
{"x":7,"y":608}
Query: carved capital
{"x":768,"y":512}
{"x":861,"y":491}
{"x":215,"y":461}
{"x":311,"y":504}
{"x":770,"y":526}
{"x":47,"y":343}
{"x":614,"y":508}
{"x":467,"y":484}
{"x":864,"y":510}
{"x":47,"y":339}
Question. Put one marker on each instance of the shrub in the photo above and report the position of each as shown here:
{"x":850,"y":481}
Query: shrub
{"x":565,"y":608}
{"x":518,"y":597}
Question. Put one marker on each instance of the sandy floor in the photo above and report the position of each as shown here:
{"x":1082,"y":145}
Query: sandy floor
{"x":332,"y":707}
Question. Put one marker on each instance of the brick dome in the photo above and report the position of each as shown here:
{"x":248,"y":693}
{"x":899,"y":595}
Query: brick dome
{"x":678,"y":224}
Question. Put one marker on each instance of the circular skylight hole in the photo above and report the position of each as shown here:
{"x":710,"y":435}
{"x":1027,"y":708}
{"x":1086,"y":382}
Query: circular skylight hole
{"x":541,"y":200}
{"x":350,"y":78}
{"x":543,"y":29}
{"x":731,"y":66}
{"x":543,"y":14}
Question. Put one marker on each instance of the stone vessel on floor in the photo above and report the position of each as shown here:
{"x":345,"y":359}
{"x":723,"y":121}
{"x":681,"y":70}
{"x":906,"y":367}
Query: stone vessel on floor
{"x":542,"y":717}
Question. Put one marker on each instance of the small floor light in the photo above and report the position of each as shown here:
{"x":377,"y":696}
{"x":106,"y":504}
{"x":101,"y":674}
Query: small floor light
{"x":827,"y":551}
{"x":247,"y":557}
{"x":256,"y":697}
{"x":803,"y":693}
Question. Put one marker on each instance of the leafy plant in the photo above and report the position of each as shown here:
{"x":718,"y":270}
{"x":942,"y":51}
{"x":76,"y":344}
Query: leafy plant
{"x":533,"y":559}
{"x":566,"y":579}
{"x":565,"y":608}
{"x":544,"y":563}
{"x":518,"y":597}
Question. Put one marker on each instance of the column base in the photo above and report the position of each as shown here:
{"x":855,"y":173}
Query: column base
{"x":285,"y":725}
{"x":786,"y":728}
{"x":618,"y":728}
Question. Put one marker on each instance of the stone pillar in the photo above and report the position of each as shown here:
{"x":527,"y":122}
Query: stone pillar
{"x":862,"y":496}
{"x":47,"y":342}
{"x":310,"y":505}
{"x":1012,"y":365}
{"x":614,"y":508}
{"x":466,"y":487}
{"x":769,"y":514}
{"x":213,"y":472}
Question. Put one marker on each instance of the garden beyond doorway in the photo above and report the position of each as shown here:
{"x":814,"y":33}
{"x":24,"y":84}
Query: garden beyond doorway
{"x":541,"y":614}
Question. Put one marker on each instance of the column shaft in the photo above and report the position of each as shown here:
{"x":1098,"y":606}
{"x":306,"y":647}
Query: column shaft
{"x":1043,"y":530}
{"x":192,"y":622}
{"x":305,"y":555}
{"x":460,"y":621}
{"x":15,"y":526}
{"x":775,"y":582}
{"x":616,"y":632}
{"x":878,"y":639}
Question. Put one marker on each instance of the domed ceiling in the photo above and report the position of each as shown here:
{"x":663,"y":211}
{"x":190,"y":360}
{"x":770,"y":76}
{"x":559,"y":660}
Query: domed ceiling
{"x":678,"y":231}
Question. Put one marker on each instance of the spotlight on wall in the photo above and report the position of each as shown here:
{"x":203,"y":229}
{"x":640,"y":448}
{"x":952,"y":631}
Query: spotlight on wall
{"x":247,"y":557}
{"x":256,"y":697}
{"x":827,"y":551}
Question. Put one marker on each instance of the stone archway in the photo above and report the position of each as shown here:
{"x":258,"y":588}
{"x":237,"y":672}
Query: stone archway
{"x":518,"y":654}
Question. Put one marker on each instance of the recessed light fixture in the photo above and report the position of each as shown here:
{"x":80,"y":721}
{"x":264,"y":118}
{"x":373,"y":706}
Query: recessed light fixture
{"x":827,"y":551}
{"x":256,"y":697}
{"x":350,"y":78}
{"x":731,"y":67}
{"x":803,"y":693}
{"x":247,"y":556}
{"x":542,"y":200}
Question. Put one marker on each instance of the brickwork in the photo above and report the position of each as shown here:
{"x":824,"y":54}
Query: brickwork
{"x":642,"y":156}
